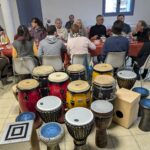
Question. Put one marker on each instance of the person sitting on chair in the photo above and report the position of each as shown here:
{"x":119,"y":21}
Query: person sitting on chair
{"x":141,"y":58}
{"x":51,"y":45}
{"x":116,"y":43}
{"x":78,"y":44}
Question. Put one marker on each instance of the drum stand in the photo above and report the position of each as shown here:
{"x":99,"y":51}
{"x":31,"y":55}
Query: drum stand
{"x":101,"y":138}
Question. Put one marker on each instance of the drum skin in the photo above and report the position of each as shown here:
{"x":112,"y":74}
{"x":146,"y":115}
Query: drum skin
{"x":95,"y":74}
{"x":28,"y":100}
{"x":59,"y":90}
{"x":78,"y":99}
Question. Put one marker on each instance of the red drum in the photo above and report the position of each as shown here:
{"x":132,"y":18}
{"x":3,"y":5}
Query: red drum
{"x":58,"y":83}
{"x":28,"y":96}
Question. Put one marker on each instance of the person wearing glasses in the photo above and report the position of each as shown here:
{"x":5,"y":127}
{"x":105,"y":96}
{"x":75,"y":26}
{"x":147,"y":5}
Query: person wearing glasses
{"x":98,"y":30}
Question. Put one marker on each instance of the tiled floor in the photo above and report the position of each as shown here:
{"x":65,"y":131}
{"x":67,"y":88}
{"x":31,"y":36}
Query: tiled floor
{"x":119,"y":138}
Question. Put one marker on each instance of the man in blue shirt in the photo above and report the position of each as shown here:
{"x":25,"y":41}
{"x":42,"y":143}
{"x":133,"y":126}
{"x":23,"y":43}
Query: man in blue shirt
{"x":126,"y":27}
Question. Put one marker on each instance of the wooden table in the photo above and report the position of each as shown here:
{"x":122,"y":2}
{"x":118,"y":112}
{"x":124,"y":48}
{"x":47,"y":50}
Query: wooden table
{"x":134,"y":49}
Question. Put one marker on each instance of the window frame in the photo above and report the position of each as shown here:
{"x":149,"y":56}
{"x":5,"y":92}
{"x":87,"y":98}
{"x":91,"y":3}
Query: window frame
{"x":118,"y":9}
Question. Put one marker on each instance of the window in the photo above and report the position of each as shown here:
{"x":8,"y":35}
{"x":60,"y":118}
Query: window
{"x":114,"y":7}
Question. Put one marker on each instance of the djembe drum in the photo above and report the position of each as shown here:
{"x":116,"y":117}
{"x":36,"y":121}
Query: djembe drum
{"x":102,"y":69}
{"x":41,"y":74}
{"x":79,"y":122}
{"x":76,"y":72}
{"x":28,"y":96}
{"x":51,"y":134}
{"x":78,"y":94}
{"x":145,"y":111}
{"x":49,"y":108}
{"x":103,"y":112}
{"x":104,"y":88}
{"x":126,"y":78}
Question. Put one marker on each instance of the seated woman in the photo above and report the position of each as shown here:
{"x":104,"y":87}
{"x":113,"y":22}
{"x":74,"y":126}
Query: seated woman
{"x":3,"y":37}
{"x":115,"y":43}
{"x":142,"y":56}
{"x":82,"y":29}
{"x":23,"y":43}
{"x":78,"y":44}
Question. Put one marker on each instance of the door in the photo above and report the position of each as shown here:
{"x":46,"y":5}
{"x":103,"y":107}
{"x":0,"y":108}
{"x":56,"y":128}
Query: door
{"x":28,"y":9}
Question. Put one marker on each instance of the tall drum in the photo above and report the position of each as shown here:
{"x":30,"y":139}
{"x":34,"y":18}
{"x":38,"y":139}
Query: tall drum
{"x":41,"y":74}
{"x":102,"y":69}
{"x":28,"y":96}
{"x":58,"y":83}
{"x":49,"y":108}
{"x":76,"y":72}
{"x":79,"y":122}
{"x":103,"y":112}
{"x":78,"y":94}
{"x":104,"y":88}
{"x":126,"y":78}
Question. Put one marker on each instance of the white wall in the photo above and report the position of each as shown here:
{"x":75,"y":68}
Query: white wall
{"x":89,"y":9}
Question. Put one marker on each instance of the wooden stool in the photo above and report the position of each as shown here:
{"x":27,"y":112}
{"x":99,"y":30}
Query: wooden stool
{"x":19,"y":135}
{"x":126,"y":107}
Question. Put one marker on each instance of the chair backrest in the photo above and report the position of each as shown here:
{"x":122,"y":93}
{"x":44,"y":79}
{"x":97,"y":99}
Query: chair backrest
{"x":55,"y":61}
{"x":116,"y":59}
{"x":147,"y":63}
{"x":23,"y":65}
{"x":80,"y":58}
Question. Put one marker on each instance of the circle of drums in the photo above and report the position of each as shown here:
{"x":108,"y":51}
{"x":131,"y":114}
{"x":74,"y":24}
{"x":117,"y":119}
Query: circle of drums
{"x":68,"y":97}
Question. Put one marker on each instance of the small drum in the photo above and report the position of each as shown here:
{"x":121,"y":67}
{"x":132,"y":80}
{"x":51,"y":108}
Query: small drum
{"x":76,"y":72}
{"x":58,"y":83}
{"x":102,"y":69}
{"x":26,"y":116}
{"x":79,"y":122}
{"x":49,"y":108}
{"x":51,"y":134}
{"x":28,"y":96}
{"x":145,"y":111}
{"x":104,"y":88}
{"x":126,"y":78}
{"x":78,"y":94}
{"x":41,"y":74}
{"x":103,"y":112}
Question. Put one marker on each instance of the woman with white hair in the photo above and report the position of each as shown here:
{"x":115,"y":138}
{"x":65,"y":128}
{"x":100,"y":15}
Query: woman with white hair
{"x":82,"y":29}
{"x":61,"y":31}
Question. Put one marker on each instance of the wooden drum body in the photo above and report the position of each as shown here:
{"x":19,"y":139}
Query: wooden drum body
{"x":103,"y":112}
{"x":76,"y":72}
{"x":126,"y":78}
{"x":78,"y":94}
{"x":102,"y":69}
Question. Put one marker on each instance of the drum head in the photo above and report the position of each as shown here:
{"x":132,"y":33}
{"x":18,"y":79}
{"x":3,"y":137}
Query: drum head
{"x":26,"y":116}
{"x":76,"y":68}
{"x":50,"y":130}
{"x":49,"y":103}
{"x":43,"y":70}
{"x":103,"y":67}
{"x":104,"y":80}
{"x":79,"y":116}
{"x":58,"y":77}
{"x":28,"y":84}
{"x":78,"y":86}
{"x":101,"y":106}
{"x":126,"y":74}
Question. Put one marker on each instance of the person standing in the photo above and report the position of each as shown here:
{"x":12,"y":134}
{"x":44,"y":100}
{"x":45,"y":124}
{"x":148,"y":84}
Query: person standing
{"x":69,"y":23}
{"x":98,"y":30}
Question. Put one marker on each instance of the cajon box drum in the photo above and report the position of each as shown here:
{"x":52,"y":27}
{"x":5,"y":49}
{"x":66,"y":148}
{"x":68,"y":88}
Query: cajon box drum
{"x":19,"y":136}
{"x":126,"y":107}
